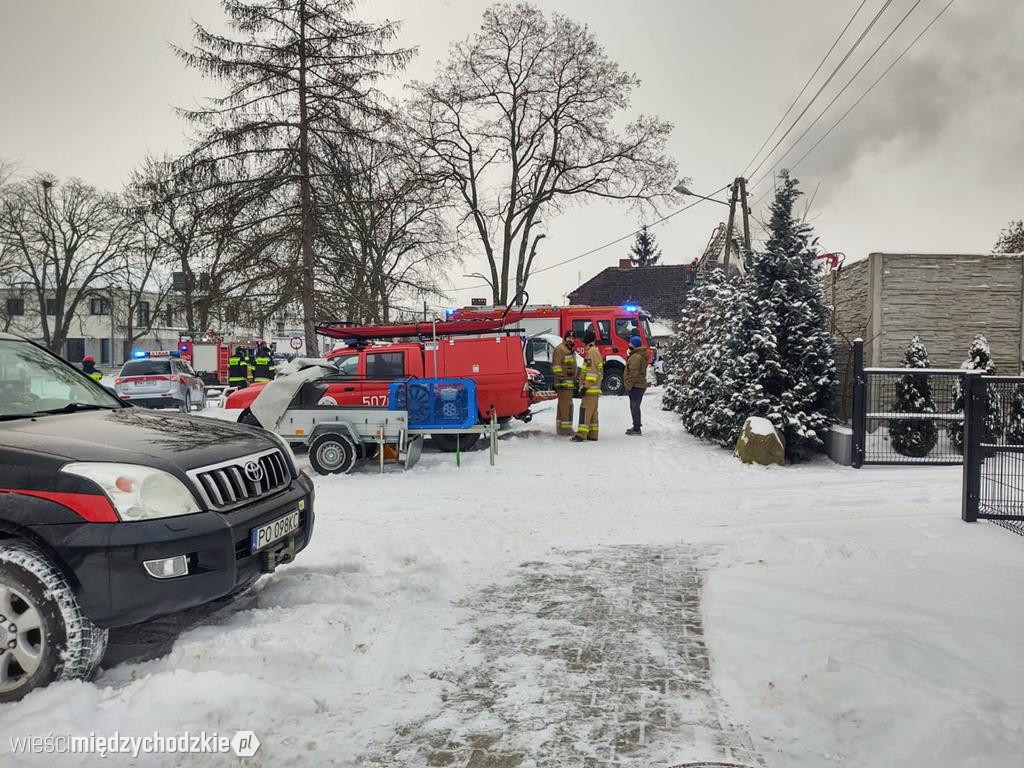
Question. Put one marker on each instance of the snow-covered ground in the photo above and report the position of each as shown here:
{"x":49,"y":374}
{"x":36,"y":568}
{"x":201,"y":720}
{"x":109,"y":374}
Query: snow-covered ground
{"x":849,"y":616}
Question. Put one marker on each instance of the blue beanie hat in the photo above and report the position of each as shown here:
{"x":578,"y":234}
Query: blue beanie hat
{"x":634,"y":341}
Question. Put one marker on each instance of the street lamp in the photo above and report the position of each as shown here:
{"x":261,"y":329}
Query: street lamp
{"x":681,"y":189}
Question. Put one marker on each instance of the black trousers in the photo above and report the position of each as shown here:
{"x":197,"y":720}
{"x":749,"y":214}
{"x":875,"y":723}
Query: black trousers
{"x":636,"y":394}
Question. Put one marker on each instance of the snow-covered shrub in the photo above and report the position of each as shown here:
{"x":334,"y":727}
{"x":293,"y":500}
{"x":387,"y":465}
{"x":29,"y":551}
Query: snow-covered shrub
{"x":1015,"y":417}
{"x":979,"y":358}
{"x":913,"y":437}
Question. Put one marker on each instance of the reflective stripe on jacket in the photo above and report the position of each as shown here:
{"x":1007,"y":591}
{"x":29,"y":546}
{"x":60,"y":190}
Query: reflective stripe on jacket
{"x":636,"y":369}
{"x":592,"y":371}
{"x":263,"y":369}
{"x":563,"y":366}
{"x":238,"y":368}
{"x":96,"y":376}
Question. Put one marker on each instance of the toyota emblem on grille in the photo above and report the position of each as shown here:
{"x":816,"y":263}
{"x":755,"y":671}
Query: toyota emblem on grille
{"x":254,"y":471}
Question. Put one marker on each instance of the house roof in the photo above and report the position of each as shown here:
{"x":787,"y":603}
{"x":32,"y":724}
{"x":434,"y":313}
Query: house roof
{"x":660,"y":289}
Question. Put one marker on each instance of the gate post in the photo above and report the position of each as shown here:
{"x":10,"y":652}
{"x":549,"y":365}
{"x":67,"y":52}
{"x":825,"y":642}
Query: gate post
{"x":974,"y":427}
{"x":859,"y":415}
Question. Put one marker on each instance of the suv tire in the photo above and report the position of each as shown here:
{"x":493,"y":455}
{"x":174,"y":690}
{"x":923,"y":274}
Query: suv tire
{"x":52,"y":639}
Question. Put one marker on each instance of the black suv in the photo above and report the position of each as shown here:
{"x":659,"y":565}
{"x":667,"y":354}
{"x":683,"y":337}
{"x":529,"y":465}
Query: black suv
{"x":112,"y":515}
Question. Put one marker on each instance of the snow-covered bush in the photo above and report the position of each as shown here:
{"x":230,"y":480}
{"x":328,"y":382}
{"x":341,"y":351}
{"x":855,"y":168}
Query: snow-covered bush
{"x":1015,"y":417}
{"x":979,"y":358}
{"x":913,"y":437}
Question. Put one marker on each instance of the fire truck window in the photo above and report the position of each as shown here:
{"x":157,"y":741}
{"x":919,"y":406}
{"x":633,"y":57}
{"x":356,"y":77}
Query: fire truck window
{"x":647,"y":330}
{"x":625,"y":328}
{"x":580,"y":327}
{"x":385,"y":365}
{"x":539,"y":351}
{"x":348,"y":365}
{"x":605,"y":326}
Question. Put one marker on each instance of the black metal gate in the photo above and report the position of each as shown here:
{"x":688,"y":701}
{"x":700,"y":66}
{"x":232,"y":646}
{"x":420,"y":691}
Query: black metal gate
{"x":879,"y":423}
{"x":994,"y":450}
{"x":970,"y":419}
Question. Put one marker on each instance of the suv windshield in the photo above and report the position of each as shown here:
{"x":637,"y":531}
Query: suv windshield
{"x":34,"y":382}
{"x":146,"y":368}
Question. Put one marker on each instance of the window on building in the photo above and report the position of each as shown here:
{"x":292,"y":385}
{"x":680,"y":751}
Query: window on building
{"x":231,"y":315}
{"x":143,"y":314}
{"x":385,"y":365}
{"x":169,"y":318}
{"x":104,"y":350}
{"x":280,"y":327}
{"x":15,"y":307}
{"x":51,"y":306}
{"x":99,"y":307}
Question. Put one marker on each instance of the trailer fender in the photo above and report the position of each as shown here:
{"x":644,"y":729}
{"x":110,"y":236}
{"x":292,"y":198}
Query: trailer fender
{"x":342,"y":427}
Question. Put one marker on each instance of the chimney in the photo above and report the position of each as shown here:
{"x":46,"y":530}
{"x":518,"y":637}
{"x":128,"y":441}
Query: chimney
{"x":625,"y":264}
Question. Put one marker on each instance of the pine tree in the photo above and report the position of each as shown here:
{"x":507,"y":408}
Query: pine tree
{"x":1015,"y":417}
{"x":1011,"y":239}
{"x":913,"y":437}
{"x":704,"y":331}
{"x":783,"y":366}
{"x":979,"y":358}
{"x":645,"y":251}
{"x":300,"y":77}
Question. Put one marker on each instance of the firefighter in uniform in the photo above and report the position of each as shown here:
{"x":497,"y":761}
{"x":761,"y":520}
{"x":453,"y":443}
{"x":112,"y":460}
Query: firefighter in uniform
{"x":591,"y":374}
{"x":563,"y":366}
{"x":238,"y":369}
{"x":263,"y":369}
{"x":89,"y":368}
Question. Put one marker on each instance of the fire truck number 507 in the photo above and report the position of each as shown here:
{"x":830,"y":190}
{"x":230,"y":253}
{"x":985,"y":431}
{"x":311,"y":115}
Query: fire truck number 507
{"x":375,"y":399}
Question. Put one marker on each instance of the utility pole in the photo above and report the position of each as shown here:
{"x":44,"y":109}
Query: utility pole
{"x":734,"y":190}
{"x":738,"y":193}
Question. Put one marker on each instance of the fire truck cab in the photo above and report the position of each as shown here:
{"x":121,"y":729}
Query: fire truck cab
{"x":612,"y":325}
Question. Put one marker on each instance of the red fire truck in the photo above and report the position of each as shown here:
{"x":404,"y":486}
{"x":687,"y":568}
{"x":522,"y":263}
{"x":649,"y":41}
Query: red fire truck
{"x":613,"y":326}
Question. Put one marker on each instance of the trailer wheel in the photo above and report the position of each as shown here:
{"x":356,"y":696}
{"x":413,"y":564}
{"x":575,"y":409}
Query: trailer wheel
{"x":332,"y":453}
{"x":447,"y":443}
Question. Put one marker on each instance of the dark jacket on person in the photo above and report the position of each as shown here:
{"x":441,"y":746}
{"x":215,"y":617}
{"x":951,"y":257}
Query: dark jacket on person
{"x":636,"y":369}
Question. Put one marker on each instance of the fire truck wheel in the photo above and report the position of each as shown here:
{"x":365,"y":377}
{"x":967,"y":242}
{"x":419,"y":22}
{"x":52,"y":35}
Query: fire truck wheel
{"x":447,"y":443}
{"x":331,"y":453}
{"x":246,"y":417}
{"x":614,"y":382}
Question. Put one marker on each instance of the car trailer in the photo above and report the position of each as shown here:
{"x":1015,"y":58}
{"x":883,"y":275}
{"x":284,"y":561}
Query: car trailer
{"x":337,"y":437}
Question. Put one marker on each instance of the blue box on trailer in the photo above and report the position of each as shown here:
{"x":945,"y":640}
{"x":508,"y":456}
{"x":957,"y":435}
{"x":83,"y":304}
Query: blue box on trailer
{"x":435,"y":403}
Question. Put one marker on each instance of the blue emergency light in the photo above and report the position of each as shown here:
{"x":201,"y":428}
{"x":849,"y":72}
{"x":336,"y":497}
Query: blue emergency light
{"x":631,"y":307}
{"x":138,"y":354}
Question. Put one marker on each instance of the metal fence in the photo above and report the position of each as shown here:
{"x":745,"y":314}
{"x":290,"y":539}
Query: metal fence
{"x":888,"y":431}
{"x":946,"y":416}
{"x":994,"y":450}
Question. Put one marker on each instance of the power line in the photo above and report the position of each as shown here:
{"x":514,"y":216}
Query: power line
{"x":824,"y":85}
{"x":841,"y":91}
{"x":802,"y":90}
{"x":600,"y":247}
{"x":869,"y":89}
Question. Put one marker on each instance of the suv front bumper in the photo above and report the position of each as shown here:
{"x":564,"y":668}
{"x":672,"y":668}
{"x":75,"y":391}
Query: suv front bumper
{"x":106,"y":559}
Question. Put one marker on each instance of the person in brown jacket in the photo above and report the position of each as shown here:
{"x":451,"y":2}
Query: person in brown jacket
{"x":563,"y":366}
{"x":636,"y":380}
{"x":591,"y":373}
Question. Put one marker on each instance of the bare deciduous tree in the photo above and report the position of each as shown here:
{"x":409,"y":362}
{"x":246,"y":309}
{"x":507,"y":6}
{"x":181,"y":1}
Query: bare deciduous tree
{"x":65,"y":240}
{"x":520,"y":121}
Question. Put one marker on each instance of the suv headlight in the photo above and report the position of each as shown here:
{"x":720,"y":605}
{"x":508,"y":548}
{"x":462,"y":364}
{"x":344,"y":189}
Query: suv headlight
{"x":137,"y":492}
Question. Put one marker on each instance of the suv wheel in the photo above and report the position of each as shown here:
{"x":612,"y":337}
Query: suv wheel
{"x":186,"y":404}
{"x":43,"y":634}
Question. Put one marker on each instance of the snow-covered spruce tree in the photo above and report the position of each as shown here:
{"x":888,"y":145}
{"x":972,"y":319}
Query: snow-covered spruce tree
{"x":703,"y":331}
{"x":1015,"y":417}
{"x":673,"y":352}
{"x":913,"y":437}
{"x":785,"y":369}
{"x":979,"y":358}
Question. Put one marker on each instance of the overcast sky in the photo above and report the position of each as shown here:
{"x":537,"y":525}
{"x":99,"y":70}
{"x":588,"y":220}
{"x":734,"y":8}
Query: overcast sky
{"x":930,"y":161}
